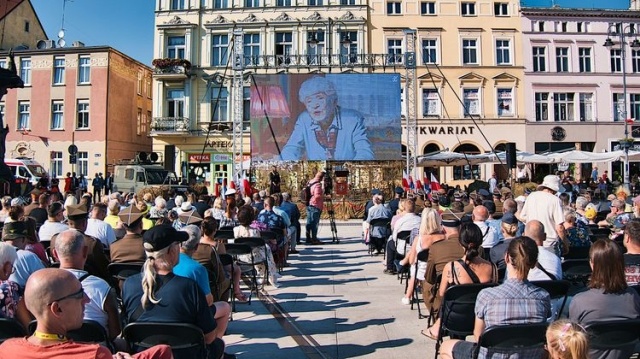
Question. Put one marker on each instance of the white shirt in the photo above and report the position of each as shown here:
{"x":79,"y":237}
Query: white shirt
{"x":546,"y":208}
{"x":489,"y":235}
{"x":100,"y":230}
{"x":407,"y":222}
{"x":550,"y":262}
{"x":97,"y":290}
{"x":49,"y":229}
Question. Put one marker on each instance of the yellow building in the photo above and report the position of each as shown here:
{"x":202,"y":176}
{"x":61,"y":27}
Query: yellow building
{"x":21,"y":27}
{"x":469,"y":74}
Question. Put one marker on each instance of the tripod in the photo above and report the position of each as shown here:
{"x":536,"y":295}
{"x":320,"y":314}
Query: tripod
{"x":332,"y":219}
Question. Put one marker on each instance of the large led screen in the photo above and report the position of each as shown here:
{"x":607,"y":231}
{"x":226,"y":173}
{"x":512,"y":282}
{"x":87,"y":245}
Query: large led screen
{"x":342,"y":117}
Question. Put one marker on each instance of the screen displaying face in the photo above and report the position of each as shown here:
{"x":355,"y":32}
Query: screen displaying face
{"x":350,"y":117}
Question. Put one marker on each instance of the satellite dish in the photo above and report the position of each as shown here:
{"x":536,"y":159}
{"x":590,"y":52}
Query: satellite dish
{"x":61,"y":33}
{"x":61,"y":42}
{"x":154,"y":157}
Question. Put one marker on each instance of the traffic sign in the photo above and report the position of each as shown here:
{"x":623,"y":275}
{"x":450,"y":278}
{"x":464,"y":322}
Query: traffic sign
{"x":73,"y":149}
{"x":73,"y":159}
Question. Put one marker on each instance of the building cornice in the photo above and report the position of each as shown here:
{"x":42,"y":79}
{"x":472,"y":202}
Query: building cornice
{"x":85,"y":50}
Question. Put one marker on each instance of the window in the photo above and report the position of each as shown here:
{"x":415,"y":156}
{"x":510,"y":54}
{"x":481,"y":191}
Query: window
{"x":84,"y":70}
{"x":584,"y":57}
{"x":220,"y":4}
{"x":219,"y":104}
{"x":616,"y":60}
{"x":314,"y":51}
{"x":429,"y":51}
{"x":147,"y":84}
{"x":283,"y":47}
{"x":57,"y":115}
{"x":139,"y":83}
{"x":347,"y":2}
{"x":25,"y":71}
{"x":635,"y":106}
{"x":505,"y":102}
{"x":466,"y":172}
{"x":469,"y":51}
{"x":542,"y":106}
{"x":177,"y":5}
{"x":394,"y":8}
{"x":175,"y":103}
{"x":540,"y":26}
{"x":349,"y":54}
{"x":635,"y":61}
{"x":394,"y":51}
{"x":468,"y":8}
{"x":219,"y":47}
{"x":503,"y":52}
{"x":251,"y":49}
{"x":83,"y":163}
{"x":430,"y":102}
{"x":145,"y":123}
{"x":139,"y":122}
{"x":501,"y":9}
{"x":539,"y":59}
{"x":427,"y":8}
{"x":251,"y":3}
{"x":563,"y":26}
{"x":471,"y":99}
{"x":314,"y":2}
{"x":563,"y":106}
{"x":586,"y":107}
{"x":24,"y":115}
{"x":618,"y":107}
{"x":176,"y":47}
{"x":580,"y":27}
{"x":58,"y":70}
{"x":562,"y":59}
{"x":56,"y":164}
{"x":83,"y":115}
{"x":281,"y":3}
{"x":26,"y":26}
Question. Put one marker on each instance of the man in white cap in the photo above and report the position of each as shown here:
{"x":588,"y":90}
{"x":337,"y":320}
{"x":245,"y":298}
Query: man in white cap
{"x":326,"y":131}
{"x":543,"y":205}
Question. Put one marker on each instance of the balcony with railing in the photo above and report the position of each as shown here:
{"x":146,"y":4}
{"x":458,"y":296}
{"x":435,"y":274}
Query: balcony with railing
{"x":170,"y":126}
{"x":171,"y":69}
{"x":346,"y":61}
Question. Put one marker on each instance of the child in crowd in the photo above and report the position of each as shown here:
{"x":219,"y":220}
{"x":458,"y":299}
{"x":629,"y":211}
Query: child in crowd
{"x":567,"y":340}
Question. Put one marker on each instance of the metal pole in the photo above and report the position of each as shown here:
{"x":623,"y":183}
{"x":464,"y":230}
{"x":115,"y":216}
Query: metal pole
{"x":328,"y":37}
{"x":623,"y":46}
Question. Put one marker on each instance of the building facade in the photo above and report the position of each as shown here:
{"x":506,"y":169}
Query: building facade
{"x":96,"y":98}
{"x":574,"y":84}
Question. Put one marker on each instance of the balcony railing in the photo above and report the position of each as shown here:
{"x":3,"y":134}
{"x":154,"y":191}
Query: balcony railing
{"x":171,"y":68}
{"x":324,"y":60}
{"x":170,"y":125}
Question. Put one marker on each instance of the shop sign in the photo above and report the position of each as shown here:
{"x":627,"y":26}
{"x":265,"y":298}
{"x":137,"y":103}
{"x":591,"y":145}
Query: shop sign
{"x":221,"y":157}
{"x":445,"y":130}
{"x":200,"y":157}
{"x":219,"y":145}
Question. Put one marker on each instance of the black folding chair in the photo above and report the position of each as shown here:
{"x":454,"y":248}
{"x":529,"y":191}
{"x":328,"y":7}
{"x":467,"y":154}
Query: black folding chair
{"x":615,"y":334}
{"x":513,"y":339}
{"x":576,"y":271}
{"x":186,"y":340}
{"x":255,"y":242}
{"x":376,"y":242}
{"x":224,"y":234}
{"x":636,"y":288}
{"x":90,"y":332}
{"x":457,"y":315}
{"x":234,"y":250}
{"x":557,"y":289}
{"x":121,"y":271}
{"x":403,"y":236}
{"x":423,"y":256}
{"x":11,"y":328}
{"x":577,"y":253}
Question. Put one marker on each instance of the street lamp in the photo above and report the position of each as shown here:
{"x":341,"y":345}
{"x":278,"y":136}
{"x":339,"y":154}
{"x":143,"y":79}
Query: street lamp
{"x":621,"y":31}
{"x":314,"y":37}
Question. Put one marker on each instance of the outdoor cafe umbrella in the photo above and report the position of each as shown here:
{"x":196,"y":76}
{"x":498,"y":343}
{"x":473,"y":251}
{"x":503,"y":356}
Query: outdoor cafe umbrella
{"x":448,"y":158}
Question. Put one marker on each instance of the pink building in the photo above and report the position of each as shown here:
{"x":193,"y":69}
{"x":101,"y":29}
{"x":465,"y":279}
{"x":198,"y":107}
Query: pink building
{"x":573,"y":83}
{"x":94,"y":97}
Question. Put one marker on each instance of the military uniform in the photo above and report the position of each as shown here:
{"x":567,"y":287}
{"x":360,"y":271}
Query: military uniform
{"x":128,"y":249}
{"x":440,"y":253}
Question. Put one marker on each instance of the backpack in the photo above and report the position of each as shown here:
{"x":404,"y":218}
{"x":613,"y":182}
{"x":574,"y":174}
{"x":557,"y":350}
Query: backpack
{"x":305,"y":194}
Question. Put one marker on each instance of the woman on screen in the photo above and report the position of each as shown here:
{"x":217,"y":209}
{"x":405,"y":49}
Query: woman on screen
{"x":325,"y":131}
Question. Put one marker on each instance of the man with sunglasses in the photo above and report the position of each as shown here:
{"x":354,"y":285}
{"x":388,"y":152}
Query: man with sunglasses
{"x":57,"y":300}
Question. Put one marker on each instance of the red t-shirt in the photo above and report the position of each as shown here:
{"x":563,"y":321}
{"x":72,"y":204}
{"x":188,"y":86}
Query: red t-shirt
{"x":21,"y":348}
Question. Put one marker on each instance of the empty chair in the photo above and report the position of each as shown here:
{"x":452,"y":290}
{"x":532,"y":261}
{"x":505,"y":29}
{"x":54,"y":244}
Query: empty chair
{"x":10,"y":328}
{"x":186,"y":340}
{"x":513,"y":338}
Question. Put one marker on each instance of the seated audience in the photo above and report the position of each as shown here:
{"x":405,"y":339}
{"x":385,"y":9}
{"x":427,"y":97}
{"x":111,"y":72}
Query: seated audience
{"x":631,"y":242}
{"x":207,"y":253}
{"x":508,"y":228}
{"x":608,"y":297}
{"x":53,"y":225}
{"x":244,"y":229}
{"x":407,"y":220}
{"x":11,"y":301}
{"x":56,"y":298}
{"x":129,"y":248}
{"x":377,"y":235}
{"x":574,"y":235}
{"x":516,"y":301}
{"x":567,"y":340}
{"x":15,"y":234}
{"x":98,"y":228}
{"x":549,"y":266}
{"x":480,"y":216}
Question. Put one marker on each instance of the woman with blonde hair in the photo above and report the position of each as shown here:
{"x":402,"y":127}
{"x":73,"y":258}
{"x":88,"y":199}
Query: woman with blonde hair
{"x":567,"y":340}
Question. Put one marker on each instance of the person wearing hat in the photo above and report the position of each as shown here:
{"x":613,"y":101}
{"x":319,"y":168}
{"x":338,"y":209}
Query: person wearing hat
{"x":129,"y":248}
{"x":508,"y":228}
{"x":35,"y":194}
{"x":26,"y":263}
{"x":397,"y":195}
{"x":53,"y":225}
{"x":440,"y":253}
{"x":543,"y":205}
{"x":97,"y":261}
{"x":158,"y":295}
{"x":144,"y":209}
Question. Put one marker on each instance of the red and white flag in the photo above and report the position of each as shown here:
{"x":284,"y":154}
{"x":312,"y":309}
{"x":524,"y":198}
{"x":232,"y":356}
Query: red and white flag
{"x":435,"y":185}
{"x":405,"y":181}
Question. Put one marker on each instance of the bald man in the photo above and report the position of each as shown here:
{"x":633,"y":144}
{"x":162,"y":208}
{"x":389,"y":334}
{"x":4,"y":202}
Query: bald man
{"x":549,"y":266}
{"x":480,"y":215}
{"x":56,"y":298}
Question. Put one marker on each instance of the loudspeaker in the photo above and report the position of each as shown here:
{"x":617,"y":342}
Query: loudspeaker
{"x":170,"y":157}
{"x":511,"y":154}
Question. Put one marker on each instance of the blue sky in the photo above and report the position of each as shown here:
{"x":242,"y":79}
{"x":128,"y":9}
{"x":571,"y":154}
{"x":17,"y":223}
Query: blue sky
{"x":126,"y":25}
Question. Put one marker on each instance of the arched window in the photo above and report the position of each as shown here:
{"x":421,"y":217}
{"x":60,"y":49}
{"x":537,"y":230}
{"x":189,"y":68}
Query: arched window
{"x":466,"y":172}
{"x":430,"y":148}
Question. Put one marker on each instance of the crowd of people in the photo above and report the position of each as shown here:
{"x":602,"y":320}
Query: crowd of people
{"x":496,"y":237}
{"x":59,"y":248}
